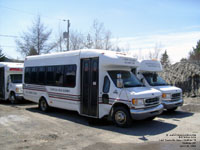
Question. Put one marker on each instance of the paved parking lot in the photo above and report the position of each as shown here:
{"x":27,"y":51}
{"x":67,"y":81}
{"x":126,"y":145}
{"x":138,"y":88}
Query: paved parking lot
{"x":23,"y":126}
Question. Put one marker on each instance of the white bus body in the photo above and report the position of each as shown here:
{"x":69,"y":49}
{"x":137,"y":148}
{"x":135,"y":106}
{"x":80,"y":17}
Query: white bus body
{"x":86,"y":81}
{"x":171,"y":95}
{"x":11,"y":81}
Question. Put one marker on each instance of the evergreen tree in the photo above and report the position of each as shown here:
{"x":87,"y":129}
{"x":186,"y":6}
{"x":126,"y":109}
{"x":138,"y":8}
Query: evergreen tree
{"x":2,"y":56}
{"x":165,"y":60}
{"x":194,"y":55}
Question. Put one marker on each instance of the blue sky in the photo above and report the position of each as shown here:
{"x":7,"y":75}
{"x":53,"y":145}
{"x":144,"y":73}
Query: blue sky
{"x":140,"y":24}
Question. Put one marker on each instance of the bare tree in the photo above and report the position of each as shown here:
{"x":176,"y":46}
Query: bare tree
{"x":76,"y":40}
{"x":97,"y":38}
{"x":88,"y":42}
{"x":35,"y":39}
{"x":100,"y":38}
{"x":97,"y":30}
{"x":107,"y":42}
{"x":60,"y":40}
{"x":156,"y":52}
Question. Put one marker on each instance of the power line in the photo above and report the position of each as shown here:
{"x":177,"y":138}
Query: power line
{"x":8,"y":46}
{"x":17,"y":10}
{"x":12,"y":36}
{"x":29,"y":13}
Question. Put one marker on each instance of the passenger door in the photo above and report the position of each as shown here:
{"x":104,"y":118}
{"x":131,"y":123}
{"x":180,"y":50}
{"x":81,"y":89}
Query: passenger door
{"x":89,"y":86}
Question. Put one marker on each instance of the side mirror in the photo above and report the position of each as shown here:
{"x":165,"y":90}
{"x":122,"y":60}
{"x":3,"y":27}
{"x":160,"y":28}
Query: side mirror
{"x":9,"y":79}
{"x":142,"y":80}
{"x":154,"y":77}
{"x":120,"y":83}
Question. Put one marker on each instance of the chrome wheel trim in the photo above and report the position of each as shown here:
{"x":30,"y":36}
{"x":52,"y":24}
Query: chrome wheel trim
{"x":120,"y":117}
{"x":43,"y":105}
{"x":12,"y":98}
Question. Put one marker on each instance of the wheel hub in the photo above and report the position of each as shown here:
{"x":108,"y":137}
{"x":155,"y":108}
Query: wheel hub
{"x":43,"y":105}
{"x":120,"y":117}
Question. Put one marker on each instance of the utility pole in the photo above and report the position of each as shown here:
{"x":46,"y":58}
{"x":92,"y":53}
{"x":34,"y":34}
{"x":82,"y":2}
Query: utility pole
{"x":66,"y":34}
{"x":68,"y":25}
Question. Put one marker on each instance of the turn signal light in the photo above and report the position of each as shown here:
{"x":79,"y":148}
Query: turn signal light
{"x":164,"y":95}
{"x":134,"y":101}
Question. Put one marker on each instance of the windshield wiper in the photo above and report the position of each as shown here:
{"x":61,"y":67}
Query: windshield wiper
{"x":160,"y":84}
{"x":137,"y":85}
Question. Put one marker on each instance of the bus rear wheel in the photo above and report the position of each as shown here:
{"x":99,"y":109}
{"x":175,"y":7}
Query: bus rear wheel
{"x":43,"y":105}
{"x":121,"y":117}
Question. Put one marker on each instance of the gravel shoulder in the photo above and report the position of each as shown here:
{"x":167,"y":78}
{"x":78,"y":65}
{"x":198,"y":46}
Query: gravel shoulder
{"x":23,"y":126}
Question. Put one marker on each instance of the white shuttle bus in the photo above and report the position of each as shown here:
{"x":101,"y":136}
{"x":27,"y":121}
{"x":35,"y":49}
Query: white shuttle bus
{"x":95,"y":83}
{"x":11,"y":81}
{"x":148,"y":74}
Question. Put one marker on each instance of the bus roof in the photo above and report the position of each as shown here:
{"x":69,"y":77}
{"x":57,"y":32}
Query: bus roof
{"x":107,"y":56}
{"x":11,"y":65}
{"x":150,"y":66}
{"x":84,"y":53}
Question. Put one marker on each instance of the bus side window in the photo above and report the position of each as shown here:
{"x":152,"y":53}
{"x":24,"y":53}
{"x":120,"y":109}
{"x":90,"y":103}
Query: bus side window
{"x":70,"y":76}
{"x":106,"y":88}
{"x":59,"y":75}
{"x":33,"y":75}
{"x":27,"y":75}
{"x":41,"y":75}
{"x":50,"y":75}
{"x":106,"y":84}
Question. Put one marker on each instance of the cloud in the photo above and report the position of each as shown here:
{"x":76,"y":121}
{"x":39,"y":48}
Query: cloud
{"x":178,"y":45}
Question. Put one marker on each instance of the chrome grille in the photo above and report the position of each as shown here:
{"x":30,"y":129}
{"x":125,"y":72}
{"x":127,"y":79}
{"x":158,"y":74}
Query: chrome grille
{"x":152,"y":101}
{"x":176,"y":96}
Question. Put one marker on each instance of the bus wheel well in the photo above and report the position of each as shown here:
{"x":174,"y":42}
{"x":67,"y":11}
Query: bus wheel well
{"x":12,"y":97}
{"x":121,"y":115}
{"x":43,"y":105}
{"x":12,"y":92}
{"x":118,"y":105}
{"x":42,"y":97}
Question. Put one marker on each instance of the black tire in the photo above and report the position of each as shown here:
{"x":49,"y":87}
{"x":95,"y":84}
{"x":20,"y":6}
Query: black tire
{"x":12,"y":98}
{"x":172,"y":109}
{"x":43,"y":105}
{"x":121,"y":117}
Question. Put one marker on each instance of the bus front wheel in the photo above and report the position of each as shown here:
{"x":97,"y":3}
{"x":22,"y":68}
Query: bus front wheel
{"x":12,"y":98}
{"x":121,"y":117}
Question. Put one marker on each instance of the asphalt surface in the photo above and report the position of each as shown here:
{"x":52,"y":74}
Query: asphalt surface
{"x":24,"y":126}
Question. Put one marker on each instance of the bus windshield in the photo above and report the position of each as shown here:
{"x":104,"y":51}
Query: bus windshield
{"x":129,"y":79}
{"x":16,"y":78}
{"x":154,"y":79}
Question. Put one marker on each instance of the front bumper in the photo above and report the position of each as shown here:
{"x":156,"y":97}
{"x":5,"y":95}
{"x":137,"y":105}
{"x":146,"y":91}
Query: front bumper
{"x":140,"y":114}
{"x":172,"y":104}
{"x":19,"y":96}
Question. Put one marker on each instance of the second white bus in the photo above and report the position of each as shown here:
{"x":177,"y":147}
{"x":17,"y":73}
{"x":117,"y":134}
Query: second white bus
{"x":11,"y":81}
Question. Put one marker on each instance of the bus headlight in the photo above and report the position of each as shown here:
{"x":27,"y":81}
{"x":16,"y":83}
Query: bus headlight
{"x":138,"y":102}
{"x":166,"y":96}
